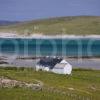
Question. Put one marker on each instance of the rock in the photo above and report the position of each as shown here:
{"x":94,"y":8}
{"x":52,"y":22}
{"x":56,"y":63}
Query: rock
{"x":71,"y":89}
{"x":9,"y":83}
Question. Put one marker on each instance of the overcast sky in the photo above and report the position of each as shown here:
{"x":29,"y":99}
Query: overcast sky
{"x":34,"y":9}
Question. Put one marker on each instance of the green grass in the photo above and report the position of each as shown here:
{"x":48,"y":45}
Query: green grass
{"x":56,"y":87}
{"x":78,"y":25}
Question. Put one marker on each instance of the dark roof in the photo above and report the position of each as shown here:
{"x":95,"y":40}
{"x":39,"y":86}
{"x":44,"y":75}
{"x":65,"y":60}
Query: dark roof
{"x":49,"y":62}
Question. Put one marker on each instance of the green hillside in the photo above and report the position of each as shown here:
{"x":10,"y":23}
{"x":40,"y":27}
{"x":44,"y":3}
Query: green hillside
{"x":79,"y":25}
{"x":81,"y":85}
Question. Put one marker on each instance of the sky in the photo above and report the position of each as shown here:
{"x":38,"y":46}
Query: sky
{"x":20,"y":10}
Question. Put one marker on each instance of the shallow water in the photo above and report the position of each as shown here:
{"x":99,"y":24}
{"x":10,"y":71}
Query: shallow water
{"x":50,"y":47}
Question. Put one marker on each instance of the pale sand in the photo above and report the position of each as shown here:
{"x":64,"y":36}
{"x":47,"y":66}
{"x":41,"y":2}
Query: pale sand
{"x":41,"y":36}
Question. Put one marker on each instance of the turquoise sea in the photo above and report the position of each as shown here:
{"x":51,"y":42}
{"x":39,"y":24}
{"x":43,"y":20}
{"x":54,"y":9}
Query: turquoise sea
{"x":50,"y":47}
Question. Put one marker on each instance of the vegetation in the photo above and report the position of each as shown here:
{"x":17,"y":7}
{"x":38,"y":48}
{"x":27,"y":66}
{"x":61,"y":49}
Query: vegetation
{"x":78,"y":25}
{"x":81,"y":85}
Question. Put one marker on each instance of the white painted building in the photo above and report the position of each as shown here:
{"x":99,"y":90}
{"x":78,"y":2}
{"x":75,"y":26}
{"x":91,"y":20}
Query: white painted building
{"x":62,"y":68}
{"x":55,"y":65}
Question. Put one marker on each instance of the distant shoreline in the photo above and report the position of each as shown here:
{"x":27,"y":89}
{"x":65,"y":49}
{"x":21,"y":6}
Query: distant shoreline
{"x":28,"y":62}
{"x":41,"y":36}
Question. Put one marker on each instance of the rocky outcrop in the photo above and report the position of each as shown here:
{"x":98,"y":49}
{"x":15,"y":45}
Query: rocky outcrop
{"x":9,"y":83}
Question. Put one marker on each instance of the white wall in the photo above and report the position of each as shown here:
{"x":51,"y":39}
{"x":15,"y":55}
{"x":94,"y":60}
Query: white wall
{"x":59,"y":71}
{"x":46,"y":69}
{"x":68,"y":69}
{"x":38,"y":67}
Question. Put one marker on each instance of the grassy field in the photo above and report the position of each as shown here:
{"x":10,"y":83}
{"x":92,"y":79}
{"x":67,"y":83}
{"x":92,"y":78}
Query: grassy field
{"x":82,"y":85}
{"x":78,"y":25}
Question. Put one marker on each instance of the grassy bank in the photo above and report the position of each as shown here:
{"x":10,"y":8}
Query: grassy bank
{"x":82,"y":85}
{"x":78,"y":25}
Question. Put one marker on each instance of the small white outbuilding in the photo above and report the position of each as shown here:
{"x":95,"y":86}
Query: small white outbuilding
{"x":62,"y":68}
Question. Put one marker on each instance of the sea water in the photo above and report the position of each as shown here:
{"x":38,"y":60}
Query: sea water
{"x":50,"y":47}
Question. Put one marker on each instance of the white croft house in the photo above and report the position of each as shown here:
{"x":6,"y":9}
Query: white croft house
{"x":56,"y":65}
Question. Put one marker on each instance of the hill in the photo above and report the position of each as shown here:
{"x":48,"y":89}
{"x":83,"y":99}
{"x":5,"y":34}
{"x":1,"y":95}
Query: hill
{"x":5,"y":22}
{"x":78,"y":25}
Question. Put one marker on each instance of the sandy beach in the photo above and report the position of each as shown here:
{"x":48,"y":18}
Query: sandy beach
{"x":41,"y":36}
